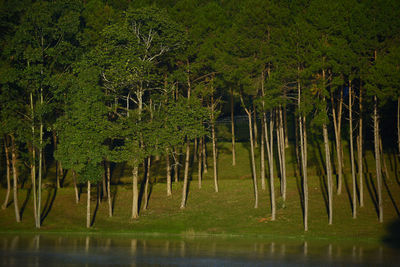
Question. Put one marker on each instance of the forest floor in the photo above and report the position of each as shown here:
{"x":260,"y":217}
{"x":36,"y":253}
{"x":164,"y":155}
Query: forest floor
{"x":228,"y":213}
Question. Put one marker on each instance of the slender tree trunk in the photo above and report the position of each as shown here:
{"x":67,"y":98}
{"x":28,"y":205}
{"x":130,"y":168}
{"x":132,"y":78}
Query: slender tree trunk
{"x":283,"y":154}
{"x":176,"y":165}
{"x":88,"y":206}
{"x":360,"y":150}
{"x":75,"y":187}
{"x":104,"y":185}
{"x":187,"y":160}
{"x":378,"y":160}
{"x":135,"y":196}
{"x":33,"y":163}
{"x":185,"y":180}
{"x":253,"y":163}
{"x":353,"y":174}
{"x":15,"y":178}
{"x":255,"y":125}
{"x":8,"y":168}
{"x":108,"y":171}
{"x":38,"y":222}
{"x":303,"y":150}
{"x":233,"y":130}
{"x":278,"y":146}
{"x":338,"y":140}
{"x":262,"y":157}
{"x":327,"y":158}
{"x":214,"y":145}
{"x":271,"y":167}
{"x":328,"y":170}
{"x":169,"y":193}
{"x":204,"y":155}
{"x":200,"y":164}
{"x":195,"y":145}
{"x":146,"y":187}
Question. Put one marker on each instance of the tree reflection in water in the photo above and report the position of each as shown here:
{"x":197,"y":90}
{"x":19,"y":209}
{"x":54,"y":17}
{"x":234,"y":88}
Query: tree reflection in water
{"x":94,"y":250}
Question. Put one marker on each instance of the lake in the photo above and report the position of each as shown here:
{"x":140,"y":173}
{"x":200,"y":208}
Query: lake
{"x":123,"y":250}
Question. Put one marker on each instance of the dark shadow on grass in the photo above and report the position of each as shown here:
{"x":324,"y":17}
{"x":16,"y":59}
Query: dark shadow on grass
{"x":324,"y":191}
{"x":299,"y":185}
{"x":23,"y":206}
{"x":319,"y":159}
{"x":390,"y":195}
{"x":372,"y":191}
{"x":51,"y":196}
{"x":346,"y":186}
{"x":97,"y":205}
{"x":114,"y":197}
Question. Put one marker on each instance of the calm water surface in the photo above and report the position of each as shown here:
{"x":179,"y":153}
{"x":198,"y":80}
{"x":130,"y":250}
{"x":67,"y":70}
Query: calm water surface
{"x":96,"y":250}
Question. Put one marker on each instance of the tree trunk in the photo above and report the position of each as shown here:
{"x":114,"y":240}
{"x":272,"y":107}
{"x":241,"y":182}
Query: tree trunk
{"x":262,"y":157}
{"x":271,"y":167}
{"x":169,"y":193}
{"x":328,"y":170}
{"x":104,"y":185}
{"x":33,"y":163}
{"x":195,"y":145}
{"x":283,"y":154}
{"x":255,"y":125}
{"x":146,"y":186}
{"x":135,"y":196}
{"x":204,"y":155}
{"x":8,"y":168}
{"x":378,"y":160}
{"x":185,"y":180}
{"x":214,"y":145}
{"x":88,"y":206}
{"x":108,"y":171}
{"x":75,"y":187}
{"x":360,"y":150}
{"x":187,"y":160}
{"x":15,"y":178}
{"x":199,"y":168}
{"x":303,"y":150}
{"x":253,"y":163}
{"x":176,"y":165}
{"x":353,"y":174}
{"x":233,"y":131}
{"x":38,"y":222}
{"x":338,"y":140}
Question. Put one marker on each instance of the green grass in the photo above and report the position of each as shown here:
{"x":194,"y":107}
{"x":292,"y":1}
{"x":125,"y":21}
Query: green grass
{"x":227,"y":213}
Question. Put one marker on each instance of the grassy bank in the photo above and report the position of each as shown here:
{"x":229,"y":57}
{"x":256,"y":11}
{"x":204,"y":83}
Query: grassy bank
{"x":227,"y":213}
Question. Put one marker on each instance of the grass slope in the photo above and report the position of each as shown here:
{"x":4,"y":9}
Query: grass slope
{"x":227,"y":213}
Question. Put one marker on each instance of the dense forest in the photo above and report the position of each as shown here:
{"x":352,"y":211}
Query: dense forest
{"x":86,"y":85}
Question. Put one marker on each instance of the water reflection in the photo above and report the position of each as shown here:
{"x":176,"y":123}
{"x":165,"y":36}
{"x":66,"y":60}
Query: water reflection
{"x":91,"y":250}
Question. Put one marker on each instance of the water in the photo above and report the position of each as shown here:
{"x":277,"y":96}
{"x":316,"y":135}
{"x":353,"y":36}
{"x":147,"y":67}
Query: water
{"x":97,"y":250}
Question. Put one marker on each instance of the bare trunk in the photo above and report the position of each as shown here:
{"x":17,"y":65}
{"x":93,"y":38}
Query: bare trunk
{"x":253,"y":163}
{"x":108,"y":171}
{"x":255,"y":125}
{"x":176,"y":165}
{"x":33,"y":163}
{"x":360,"y":150}
{"x":338,"y":141}
{"x":88,"y":206}
{"x":214,"y":145}
{"x":135,"y":196}
{"x":262,"y":157}
{"x":303,"y":151}
{"x":233,"y":130}
{"x":328,"y":170}
{"x":185,"y":180}
{"x":39,"y":200}
{"x":195,"y":145}
{"x":169,"y":193}
{"x":15,"y":178}
{"x":283,"y":154}
{"x":146,"y":186}
{"x":75,"y":187}
{"x":378,"y":160}
{"x":8,"y":167}
{"x":353,"y":173}
{"x":187,"y":160}
{"x":199,"y":168}
{"x":204,"y":155}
